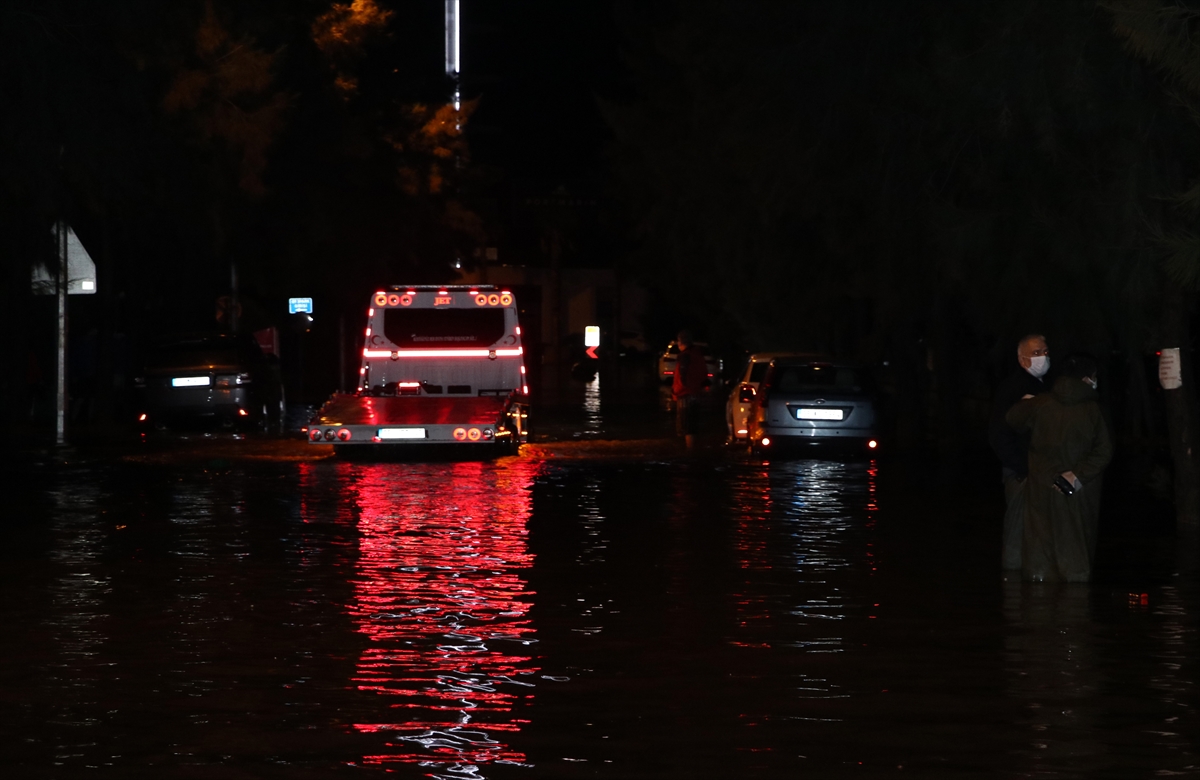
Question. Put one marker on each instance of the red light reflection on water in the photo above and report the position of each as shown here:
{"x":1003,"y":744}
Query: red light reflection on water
{"x":438,"y":591}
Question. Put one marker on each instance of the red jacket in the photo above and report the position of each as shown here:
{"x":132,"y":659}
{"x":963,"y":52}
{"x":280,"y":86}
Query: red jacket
{"x":691,"y":373}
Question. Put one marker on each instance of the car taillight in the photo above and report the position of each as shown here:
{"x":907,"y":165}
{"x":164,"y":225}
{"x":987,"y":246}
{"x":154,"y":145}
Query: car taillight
{"x":746,"y":395}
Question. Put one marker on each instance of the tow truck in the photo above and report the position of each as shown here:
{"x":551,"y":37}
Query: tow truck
{"x":440,"y":366}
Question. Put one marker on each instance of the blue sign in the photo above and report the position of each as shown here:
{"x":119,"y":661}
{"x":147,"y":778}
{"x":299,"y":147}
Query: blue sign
{"x":299,"y":305}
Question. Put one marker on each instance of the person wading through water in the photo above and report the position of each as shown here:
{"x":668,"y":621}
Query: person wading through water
{"x":1069,"y":448}
{"x":1012,"y":446}
{"x":691,"y":376}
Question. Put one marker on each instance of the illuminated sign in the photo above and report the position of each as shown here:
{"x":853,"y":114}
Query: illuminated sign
{"x":300,"y":306}
{"x":591,"y":336}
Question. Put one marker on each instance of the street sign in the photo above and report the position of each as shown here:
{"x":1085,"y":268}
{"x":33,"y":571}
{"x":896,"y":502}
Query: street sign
{"x":81,"y":270}
{"x":300,"y":306}
{"x":591,"y":339}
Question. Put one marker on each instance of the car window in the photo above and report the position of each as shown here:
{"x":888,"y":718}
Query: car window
{"x":816,"y":379}
{"x":409,"y":328}
{"x":758,"y":371}
{"x":200,"y":353}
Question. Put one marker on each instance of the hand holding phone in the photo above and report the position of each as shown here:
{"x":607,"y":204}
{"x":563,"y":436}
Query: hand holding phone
{"x":1064,"y":487}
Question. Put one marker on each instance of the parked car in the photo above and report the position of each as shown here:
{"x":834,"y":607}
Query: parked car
{"x":742,"y":401}
{"x":805,"y":401}
{"x":667,"y":360}
{"x":210,"y":377}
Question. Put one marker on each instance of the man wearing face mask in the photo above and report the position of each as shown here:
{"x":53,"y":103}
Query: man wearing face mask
{"x":1068,"y":451}
{"x":1011,"y":445}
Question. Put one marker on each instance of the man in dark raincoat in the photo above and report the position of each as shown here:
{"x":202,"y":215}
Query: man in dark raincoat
{"x":1068,"y":439}
{"x":1012,"y":446}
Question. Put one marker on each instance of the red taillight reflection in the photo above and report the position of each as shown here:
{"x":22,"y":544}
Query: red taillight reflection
{"x":440,"y":599}
{"x":343,"y":434}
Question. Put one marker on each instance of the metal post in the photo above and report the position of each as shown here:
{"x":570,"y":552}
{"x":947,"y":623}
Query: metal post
{"x":60,"y":422}
{"x":233,"y":309}
{"x":341,"y":386}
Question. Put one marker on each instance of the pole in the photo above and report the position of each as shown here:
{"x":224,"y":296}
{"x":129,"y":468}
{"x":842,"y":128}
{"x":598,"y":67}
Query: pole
{"x":60,"y":422}
{"x":341,"y":353}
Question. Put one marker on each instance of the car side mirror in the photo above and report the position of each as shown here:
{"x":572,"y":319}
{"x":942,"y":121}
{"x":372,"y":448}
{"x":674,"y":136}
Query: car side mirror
{"x":746,"y":394}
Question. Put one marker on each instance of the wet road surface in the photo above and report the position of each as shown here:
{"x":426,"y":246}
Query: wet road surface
{"x":620,"y":612}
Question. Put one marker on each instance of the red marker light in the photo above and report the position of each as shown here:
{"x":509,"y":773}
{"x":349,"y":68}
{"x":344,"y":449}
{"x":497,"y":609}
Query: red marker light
{"x":460,"y":434}
{"x":493,"y":300}
{"x":142,"y":418}
{"x":242,"y":413}
{"x":506,"y":299}
{"x":518,"y":330}
{"x":314,"y":434}
{"x":872,"y":444}
{"x":406,"y":300}
{"x":343,"y":434}
{"x":393,"y":300}
{"x":473,"y":434}
{"x":408,"y":384}
{"x":481,"y":300}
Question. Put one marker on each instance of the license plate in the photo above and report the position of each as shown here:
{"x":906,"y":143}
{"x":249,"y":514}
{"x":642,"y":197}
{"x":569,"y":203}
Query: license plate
{"x":191,"y":381}
{"x":401,"y":433}
{"x":818,"y":414}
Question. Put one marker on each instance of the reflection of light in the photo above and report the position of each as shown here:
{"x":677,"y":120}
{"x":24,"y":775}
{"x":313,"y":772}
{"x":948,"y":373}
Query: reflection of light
{"x":592,"y":420}
{"x":440,"y":597}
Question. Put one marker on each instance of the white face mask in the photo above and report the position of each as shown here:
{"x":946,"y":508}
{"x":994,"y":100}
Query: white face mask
{"x":1039,"y":365}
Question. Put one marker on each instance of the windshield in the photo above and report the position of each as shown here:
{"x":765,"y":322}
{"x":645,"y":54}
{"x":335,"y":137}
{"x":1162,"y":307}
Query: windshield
{"x":416,"y":328}
{"x":817,"y":379}
{"x":202,"y":352}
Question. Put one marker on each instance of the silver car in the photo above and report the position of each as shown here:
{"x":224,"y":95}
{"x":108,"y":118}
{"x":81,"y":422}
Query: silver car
{"x":743,"y":398}
{"x":217,"y":377}
{"x":802,"y":401}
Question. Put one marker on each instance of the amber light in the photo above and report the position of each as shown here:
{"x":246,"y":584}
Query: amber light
{"x":393,"y":300}
{"x":481,"y":300}
{"x":506,"y":299}
{"x":381,"y":299}
{"x":460,"y":434}
{"x":473,"y":434}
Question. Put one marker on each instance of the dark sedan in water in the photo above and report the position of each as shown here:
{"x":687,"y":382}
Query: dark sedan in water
{"x":803,"y":401}
{"x":218,"y":378}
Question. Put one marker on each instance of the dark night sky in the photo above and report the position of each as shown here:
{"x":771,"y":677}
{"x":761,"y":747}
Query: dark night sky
{"x":537,"y":66}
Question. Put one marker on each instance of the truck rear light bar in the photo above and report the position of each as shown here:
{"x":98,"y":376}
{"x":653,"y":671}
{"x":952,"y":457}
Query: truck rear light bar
{"x":466,"y":353}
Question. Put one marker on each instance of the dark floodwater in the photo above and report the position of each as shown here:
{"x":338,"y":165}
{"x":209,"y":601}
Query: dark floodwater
{"x":714,"y":617}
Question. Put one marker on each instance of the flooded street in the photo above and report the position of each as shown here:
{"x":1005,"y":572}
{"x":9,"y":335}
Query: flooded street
{"x":557,"y":615}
